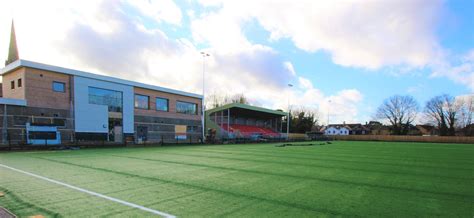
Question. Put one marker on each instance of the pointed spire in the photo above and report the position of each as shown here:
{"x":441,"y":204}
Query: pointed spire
{"x":13,"y":49}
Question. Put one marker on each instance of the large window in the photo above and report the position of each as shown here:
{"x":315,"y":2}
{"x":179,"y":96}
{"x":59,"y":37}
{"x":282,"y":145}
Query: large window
{"x":59,"y":86}
{"x":12,"y":85}
{"x":186,"y":107}
{"x":111,"y":98}
{"x":19,"y":83}
{"x":142,"y":101}
{"x":162,"y":104}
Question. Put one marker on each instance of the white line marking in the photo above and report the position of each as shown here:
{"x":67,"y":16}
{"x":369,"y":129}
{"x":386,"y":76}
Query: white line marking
{"x":92,"y":193}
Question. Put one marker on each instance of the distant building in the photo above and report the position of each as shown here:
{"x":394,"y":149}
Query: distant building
{"x":377,"y":128}
{"x":427,"y":130}
{"x":336,"y":129}
{"x":345,"y":129}
{"x":358,"y":129}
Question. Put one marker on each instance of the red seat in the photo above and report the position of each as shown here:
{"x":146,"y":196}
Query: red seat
{"x":247,"y":131}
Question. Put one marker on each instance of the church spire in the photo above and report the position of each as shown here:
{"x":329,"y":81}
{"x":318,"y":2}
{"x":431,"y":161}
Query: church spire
{"x":13,"y":49}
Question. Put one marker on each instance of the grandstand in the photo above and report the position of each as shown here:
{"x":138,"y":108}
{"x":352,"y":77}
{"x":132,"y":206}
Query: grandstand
{"x":234,"y":121}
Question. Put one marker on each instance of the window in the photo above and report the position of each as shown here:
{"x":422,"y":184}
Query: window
{"x":191,"y":128}
{"x":186,"y":107}
{"x":59,"y":86}
{"x":12,"y":84}
{"x":19,"y":83}
{"x":111,"y":98}
{"x":162,"y":104}
{"x":142,"y":101}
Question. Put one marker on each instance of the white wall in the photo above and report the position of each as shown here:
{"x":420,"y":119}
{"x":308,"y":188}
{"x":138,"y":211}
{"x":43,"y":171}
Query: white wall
{"x":92,"y":117}
{"x":334,"y":131}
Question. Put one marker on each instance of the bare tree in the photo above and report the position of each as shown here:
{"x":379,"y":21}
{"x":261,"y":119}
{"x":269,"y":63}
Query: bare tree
{"x":443,"y":110}
{"x":466,"y":110}
{"x":217,"y":100}
{"x":434,"y":110}
{"x":400,"y":111}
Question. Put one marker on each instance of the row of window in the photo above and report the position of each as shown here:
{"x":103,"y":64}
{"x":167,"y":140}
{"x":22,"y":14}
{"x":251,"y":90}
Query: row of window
{"x":12,"y":84}
{"x":57,"y":86}
{"x":162,"y":104}
{"x":113,"y":99}
{"x":342,"y":132}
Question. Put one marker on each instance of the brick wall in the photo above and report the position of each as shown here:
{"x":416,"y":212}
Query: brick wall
{"x":17,"y":92}
{"x":39,"y":89}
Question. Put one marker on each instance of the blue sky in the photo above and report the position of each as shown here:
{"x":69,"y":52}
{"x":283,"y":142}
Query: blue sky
{"x":354,"y":53}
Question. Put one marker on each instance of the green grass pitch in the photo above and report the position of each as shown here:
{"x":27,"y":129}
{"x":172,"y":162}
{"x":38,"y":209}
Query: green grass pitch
{"x":375,"y":179}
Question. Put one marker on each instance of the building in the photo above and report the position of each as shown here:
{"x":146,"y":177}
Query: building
{"x":424,"y":130}
{"x":377,"y":128}
{"x":358,"y":129}
{"x":345,"y":129}
{"x":336,"y":129}
{"x":244,"y":121}
{"x":84,"y":106}
{"x":45,"y":104}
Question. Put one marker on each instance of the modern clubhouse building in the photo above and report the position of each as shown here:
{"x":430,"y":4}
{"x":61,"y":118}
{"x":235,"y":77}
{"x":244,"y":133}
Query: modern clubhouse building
{"x":41,"y":102}
{"x":45,"y":104}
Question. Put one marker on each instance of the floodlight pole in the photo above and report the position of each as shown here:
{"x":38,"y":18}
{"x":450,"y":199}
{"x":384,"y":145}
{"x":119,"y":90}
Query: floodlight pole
{"x":329,"y":103}
{"x":288,"y":116}
{"x":203,"y":109}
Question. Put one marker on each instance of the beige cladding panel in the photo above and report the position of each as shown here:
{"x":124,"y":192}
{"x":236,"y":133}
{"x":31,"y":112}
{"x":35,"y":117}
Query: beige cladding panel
{"x":17,"y":92}
{"x":172,"y":98}
{"x":39,"y":89}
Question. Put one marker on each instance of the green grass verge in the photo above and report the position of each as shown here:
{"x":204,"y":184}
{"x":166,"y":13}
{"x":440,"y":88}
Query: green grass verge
{"x":247,"y":180}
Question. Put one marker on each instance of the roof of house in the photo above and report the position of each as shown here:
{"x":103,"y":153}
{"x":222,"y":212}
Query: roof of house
{"x":357,"y":126}
{"x":351,"y":126}
{"x":25,"y":63}
{"x":336,"y":126}
{"x":425,"y":129}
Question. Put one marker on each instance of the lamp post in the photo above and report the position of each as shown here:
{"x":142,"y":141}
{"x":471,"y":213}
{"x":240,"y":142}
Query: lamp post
{"x":204,"y":55}
{"x":329,"y":103}
{"x":288,"y":116}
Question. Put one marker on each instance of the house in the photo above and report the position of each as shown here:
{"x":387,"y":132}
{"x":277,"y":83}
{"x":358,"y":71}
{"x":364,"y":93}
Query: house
{"x":377,"y":128}
{"x":358,"y":129}
{"x":427,"y":130}
{"x":336,"y":129}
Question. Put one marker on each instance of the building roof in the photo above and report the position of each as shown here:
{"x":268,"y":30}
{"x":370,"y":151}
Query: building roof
{"x":247,"y":107}
{"x":336,"y":126}
{"x":25,"y":63}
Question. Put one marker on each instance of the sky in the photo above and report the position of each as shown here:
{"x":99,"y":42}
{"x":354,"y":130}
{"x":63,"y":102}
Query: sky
{"x":342,"y":57}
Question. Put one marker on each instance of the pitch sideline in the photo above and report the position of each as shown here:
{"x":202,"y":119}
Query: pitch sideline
{"x":157,"y":212}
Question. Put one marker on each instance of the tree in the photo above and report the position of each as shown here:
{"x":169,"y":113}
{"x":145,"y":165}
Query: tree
{"x":216,"y":100}
{"x":400,"y":111}
{"x":466,"y":110}
{"x":302,"y":120}
{"x":435,"y":111}
{"x":443,"y":110}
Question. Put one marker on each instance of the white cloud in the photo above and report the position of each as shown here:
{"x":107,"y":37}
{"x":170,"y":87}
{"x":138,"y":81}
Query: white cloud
{"x":160,"y":10}
{"x":459,"y":69}
{"x":101,"y":37}
{"x":368,"y":34}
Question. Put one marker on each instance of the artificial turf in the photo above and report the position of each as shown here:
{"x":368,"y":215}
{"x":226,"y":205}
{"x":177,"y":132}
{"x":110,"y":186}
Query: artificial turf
{"x":247,"y":180}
